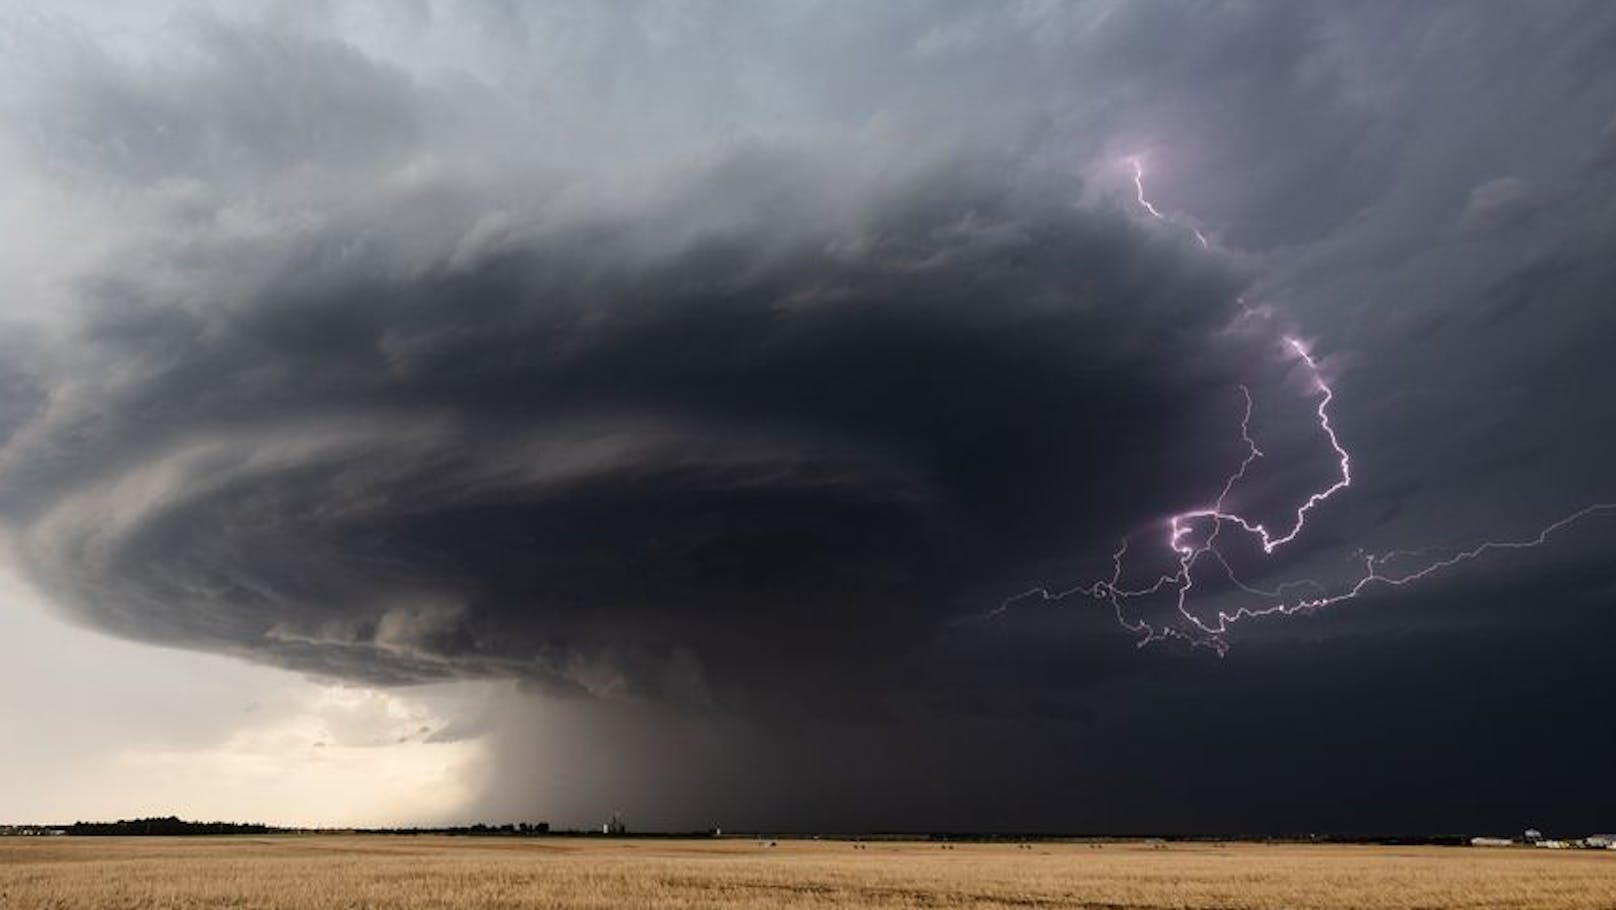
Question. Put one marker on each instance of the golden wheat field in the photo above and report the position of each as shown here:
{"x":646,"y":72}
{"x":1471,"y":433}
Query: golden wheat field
{"x":317,"y":872}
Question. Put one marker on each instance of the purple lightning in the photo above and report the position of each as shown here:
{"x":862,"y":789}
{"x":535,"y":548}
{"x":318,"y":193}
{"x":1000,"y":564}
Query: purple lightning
{"x":1187,"y":555}
{"x":1139,"y":188}
{"x":1139,"y":194}
{"x":1216,"y":512}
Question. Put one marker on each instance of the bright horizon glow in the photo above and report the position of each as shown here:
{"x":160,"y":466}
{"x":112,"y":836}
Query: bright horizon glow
{"x":136,"y":730}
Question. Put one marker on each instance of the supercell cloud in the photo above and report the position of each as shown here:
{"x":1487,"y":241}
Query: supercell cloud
{"x":774,"y":411}
{"x":729,"y":363}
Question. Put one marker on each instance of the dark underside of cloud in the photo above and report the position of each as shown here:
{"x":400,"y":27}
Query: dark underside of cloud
{"x":762,"y":460}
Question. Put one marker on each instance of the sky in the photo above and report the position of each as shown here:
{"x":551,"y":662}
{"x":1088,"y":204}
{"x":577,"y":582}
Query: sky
{"x":1112,"y":417}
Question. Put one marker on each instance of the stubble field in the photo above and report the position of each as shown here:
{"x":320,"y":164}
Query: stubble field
{"x":322,"y":872}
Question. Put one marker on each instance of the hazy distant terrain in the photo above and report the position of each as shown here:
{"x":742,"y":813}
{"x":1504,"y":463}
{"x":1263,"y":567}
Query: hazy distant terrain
{"x":317,"y":872}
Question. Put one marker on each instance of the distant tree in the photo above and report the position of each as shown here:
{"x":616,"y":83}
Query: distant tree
{"x":166,"y":826}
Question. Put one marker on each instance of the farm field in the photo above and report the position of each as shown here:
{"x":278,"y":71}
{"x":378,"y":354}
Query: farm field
{"x":325,"y":872}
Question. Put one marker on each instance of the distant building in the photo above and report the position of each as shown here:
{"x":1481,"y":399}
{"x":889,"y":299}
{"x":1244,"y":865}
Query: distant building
{"x":1491,"y":842}
{"x":1600,"y":841}
{"x":1532,"y":835}
{"x":616,"y":827}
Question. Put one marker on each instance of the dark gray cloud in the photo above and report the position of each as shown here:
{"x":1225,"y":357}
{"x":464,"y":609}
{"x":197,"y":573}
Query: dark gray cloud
{"x":723,"y":366}
{"x":768,"y":449}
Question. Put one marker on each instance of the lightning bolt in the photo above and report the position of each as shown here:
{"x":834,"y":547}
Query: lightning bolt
{"x":1144,"y":203}
{"x":1288,"y":598}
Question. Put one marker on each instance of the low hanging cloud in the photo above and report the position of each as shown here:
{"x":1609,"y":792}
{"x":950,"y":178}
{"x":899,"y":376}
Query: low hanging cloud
{"x":347,"y":396}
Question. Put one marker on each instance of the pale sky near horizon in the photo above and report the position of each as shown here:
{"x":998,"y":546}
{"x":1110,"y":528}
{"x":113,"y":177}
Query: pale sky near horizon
{"x":98,"y":728}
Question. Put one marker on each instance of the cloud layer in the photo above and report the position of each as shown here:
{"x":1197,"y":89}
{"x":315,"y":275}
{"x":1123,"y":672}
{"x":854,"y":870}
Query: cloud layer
{"x":773,"y":417}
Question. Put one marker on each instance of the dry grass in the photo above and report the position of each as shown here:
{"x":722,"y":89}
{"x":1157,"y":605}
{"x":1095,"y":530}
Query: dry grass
{"x":328,"y":872}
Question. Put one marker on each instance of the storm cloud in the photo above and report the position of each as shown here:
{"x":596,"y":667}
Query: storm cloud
{"x":719,"y":365}
{"x":780,"y":413}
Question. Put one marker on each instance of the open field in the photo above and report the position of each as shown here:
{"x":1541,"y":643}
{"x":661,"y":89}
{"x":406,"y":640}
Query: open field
{"x":321,"y":872}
